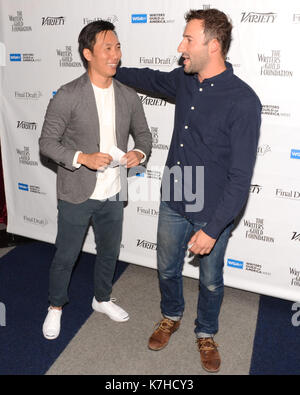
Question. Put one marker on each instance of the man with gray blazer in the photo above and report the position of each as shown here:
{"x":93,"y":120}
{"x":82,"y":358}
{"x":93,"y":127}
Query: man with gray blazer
{"x":87,"y":121}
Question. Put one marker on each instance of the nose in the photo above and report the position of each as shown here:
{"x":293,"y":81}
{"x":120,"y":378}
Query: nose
{"x":180,"y":47}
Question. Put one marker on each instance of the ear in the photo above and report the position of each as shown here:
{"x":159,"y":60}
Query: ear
{"x":214,"y":46}
{"x":87,"y":54}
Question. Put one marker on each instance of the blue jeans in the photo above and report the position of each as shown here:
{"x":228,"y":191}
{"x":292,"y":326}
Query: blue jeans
{"x":73,"y":222}
{"x":174,"y":232}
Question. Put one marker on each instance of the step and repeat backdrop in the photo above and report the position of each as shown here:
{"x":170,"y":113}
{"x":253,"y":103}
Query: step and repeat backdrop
{"x":38,"y":54}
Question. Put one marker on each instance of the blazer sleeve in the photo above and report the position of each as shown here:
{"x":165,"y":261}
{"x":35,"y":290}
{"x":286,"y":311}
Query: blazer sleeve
{"x":57,"y":119}
{"x":139,"y":128}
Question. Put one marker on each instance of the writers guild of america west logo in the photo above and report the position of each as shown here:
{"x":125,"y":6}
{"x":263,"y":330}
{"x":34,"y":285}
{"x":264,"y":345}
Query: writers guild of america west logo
{"x":66,"y":57}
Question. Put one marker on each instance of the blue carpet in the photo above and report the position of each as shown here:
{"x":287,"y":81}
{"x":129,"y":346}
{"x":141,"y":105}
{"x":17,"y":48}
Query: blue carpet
{"x":276,"y":348}
{"x":24,"y":274}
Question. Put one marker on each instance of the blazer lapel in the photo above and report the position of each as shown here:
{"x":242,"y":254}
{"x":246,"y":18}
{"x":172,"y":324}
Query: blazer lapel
{"x":91,"y":107}
{"x":119,"y":106}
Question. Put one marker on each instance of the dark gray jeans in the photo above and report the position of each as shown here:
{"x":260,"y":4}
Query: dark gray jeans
{"x":73,"y":221}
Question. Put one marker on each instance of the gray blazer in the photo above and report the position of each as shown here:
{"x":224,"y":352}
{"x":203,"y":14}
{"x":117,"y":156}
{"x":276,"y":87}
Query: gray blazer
{"x":71,"y":124}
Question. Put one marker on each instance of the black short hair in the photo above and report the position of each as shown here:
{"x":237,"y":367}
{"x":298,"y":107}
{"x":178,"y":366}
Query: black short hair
{"x":87,"y":36}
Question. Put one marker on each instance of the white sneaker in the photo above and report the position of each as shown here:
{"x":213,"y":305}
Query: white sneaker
{"x":116,"y":313}
{"x":51,"y":327}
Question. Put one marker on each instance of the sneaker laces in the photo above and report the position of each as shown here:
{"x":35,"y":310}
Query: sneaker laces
{"x":206,"y":344}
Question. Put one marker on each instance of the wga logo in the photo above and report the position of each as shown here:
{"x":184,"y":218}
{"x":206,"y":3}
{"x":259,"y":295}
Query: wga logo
{"x":2,"y":314}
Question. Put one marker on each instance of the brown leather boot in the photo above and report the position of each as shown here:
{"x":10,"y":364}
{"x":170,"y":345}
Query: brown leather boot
{"x":160,"y":337}
{"x":210,"y":357}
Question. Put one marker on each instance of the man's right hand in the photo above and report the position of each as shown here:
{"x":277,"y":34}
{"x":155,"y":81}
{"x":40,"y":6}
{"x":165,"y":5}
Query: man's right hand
{"x":94,"y":161}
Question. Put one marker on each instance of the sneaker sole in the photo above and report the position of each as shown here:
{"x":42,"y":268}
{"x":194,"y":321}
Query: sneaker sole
{"x":112,"y":317}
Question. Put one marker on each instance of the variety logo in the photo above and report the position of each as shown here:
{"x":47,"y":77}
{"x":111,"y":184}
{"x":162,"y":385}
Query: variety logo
{"x":146,"y":244}
{"x":53,"y":20}
{"x":235,"y":264}
{"x":255,"y":188}
{"x":150,"y":101}
{"x":295,"y":154}
{"x":139,"y":18}
{"x":26,"y":125}
{"x":296,"y":236}
{"x":258,"y":17}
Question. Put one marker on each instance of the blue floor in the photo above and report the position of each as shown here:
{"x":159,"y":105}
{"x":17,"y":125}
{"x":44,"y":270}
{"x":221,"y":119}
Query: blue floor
{"x":276,"y":349}
{"x":24,"y":275}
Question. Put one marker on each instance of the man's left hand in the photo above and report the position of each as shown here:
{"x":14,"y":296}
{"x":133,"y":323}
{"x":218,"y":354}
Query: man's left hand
{"x":202,"y":243}
{"x":132,"y":158}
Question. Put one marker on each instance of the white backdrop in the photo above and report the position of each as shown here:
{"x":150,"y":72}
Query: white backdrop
{"x":38,"y":53}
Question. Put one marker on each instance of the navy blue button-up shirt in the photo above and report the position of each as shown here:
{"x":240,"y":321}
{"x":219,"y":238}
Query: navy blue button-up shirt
{"x":216,"y":128}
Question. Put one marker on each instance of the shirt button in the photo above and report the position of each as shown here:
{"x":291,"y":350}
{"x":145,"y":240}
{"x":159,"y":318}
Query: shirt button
{"x":186,"y":127}
{"x":181,"y":145}
{"x":192,"y":108}
{"x":178,"y":163}
{"x":212,"y":84}
{"x":200,"y":89}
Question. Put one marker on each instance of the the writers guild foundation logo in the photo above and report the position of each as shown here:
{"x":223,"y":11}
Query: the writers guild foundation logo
{"x":24,"y":157}
{"x":18,"y":23}
{"x":271,"y":65}
{"x":155,"y":140}
{"x":295,"y":281}
{"x":255,"y":231}
{"x":66,"y":57}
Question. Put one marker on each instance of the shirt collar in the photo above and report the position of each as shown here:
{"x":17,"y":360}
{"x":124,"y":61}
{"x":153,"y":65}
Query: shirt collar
{"x":222,"y":77}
